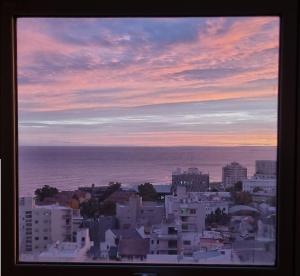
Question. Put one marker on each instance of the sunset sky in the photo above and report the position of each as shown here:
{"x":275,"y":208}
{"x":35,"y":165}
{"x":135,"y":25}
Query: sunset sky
{"x":148,"y":82}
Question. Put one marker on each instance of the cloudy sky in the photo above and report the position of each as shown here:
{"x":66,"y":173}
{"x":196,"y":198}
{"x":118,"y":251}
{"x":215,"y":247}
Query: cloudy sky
{"x":148,"y":82}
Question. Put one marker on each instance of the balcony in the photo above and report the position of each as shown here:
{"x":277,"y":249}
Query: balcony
{"x":167,"y":236}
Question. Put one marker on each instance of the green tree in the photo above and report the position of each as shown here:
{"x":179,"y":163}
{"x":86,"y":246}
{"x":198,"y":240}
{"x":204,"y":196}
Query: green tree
{"x":238,"y":186}
{"x":243,"y":198}
{"x":218,"y":217}
{"x":147,"y":192}
{"x":45,"y":191}
{"x":112,"y":187}
{"x":107,"y":208}
{"x":90,"y":208}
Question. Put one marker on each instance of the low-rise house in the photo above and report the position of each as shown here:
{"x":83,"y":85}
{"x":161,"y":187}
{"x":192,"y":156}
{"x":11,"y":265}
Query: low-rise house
{"x":109,"y":247}
{"x":133,"y":249}
{"x":97,"y":230}
{"x":120,"y":196}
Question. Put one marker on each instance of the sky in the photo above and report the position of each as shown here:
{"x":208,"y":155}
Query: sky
{"x":148,"y":81}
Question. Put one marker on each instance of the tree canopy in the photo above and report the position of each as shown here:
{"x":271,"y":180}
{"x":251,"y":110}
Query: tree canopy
{"x":218,"y":217}
{"x":90,"y":208}
{"x":112,"y":187}
{"x":93,"y":208}
{"x":243,"y":198}
{"x":147,"y":192}
{"x":45,"y":191}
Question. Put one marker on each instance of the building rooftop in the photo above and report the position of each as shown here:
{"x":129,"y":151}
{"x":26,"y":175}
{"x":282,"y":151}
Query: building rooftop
{"x":126,"y":233}
{"x":162,"y":188}
{"x":120,"y":196}
{"x":242,"y":209}
{"x":133,"y":247}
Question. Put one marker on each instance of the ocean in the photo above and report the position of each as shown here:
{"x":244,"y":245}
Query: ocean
{"x":68,"y":168}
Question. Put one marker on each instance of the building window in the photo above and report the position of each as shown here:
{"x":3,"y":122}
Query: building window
{"x":45,"y":238}
{"x":187,"y":242}
{"x":192,"y":211}
{"x":36,"y":221}
{"x":36,"y":238}
{"x":185,"y":227}
{"x":172,"y":231}
{"x":172,"y":244}
{"x":152,"y":241}
{"x":157,"y":242}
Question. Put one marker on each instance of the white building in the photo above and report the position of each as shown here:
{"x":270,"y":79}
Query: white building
{"x":40,"y":226}
{"x":233,"y":173}
{"x":68,"y":251}
{"x":258,"y":184}
{"x":188,"y":210}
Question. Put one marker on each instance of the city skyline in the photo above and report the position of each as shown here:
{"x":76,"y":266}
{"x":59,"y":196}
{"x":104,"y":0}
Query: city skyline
{"x":148,"y":82}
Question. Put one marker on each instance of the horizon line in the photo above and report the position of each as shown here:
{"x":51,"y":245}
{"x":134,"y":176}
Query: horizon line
{"x":150,"y":146}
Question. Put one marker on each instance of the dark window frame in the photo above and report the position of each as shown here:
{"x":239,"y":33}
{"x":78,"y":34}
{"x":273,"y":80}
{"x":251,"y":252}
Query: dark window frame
{"x":288,"y":243}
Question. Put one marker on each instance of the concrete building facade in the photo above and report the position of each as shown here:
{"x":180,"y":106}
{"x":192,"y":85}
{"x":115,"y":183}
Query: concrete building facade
{"x":40,"y":226}
{"x":193,"y":179}
{"x":233,"y":173}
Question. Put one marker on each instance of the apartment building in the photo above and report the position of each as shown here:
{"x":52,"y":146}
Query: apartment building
{"x":40,"y":226}
{"x":259,"y":184}
{"x":193,"y":179}
{"x":233,"y":173}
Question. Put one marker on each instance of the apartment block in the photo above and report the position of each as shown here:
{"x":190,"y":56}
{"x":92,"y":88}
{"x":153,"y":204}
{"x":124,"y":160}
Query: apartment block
{"x":233,"y":173}
{"x":42,"y":225}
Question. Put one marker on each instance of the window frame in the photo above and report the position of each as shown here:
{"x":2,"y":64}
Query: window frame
{"x":288,"y":171}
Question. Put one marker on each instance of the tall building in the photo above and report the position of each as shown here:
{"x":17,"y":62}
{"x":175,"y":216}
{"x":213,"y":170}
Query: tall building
{"x":193,"y":179}
{"x":233,"y":173}
{"x":40,"y":226}
{"x":265,"y":168}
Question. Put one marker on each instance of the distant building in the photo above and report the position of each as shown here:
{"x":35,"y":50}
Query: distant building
{"x":193,"y":179}
{"x":265,"y":168}
{"x":40,"y":226}
{"x":162,"y":190}
{"x":71,"y":199}
{"x":96,"y":192}
{"x":120,"y":196}
{"x":233,"y":173}
{"x":260,"y":185}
